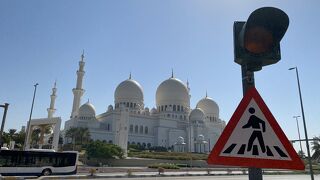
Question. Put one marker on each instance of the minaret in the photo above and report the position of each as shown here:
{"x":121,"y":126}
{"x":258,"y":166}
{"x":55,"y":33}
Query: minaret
{"x":78,"y":91}
{"x":188,"y":86}
{"x":53,"y":97}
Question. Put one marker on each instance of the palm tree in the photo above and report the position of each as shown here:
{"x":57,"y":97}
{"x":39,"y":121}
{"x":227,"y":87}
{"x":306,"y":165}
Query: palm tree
{"x":12,"y":133}
{"x":78,"y":135}
{"x":19,"y":138}
{"x":72,"y":133}
{"x":50,"y":140}
{"x":316,"y":144}
{"x":316,"y":148}
{"x":45,"y":130}
{"x":84,"y":135}
{"x":35,"y":136}
{"x":301,"y":154}
{"x":5,"y":138}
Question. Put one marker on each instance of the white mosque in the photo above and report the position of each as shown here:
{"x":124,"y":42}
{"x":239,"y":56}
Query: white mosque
{"x":171,"y":124}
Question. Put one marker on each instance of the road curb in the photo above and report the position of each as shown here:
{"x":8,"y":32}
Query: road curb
{"x":131,"y":176}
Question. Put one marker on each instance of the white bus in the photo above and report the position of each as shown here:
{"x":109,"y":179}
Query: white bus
{"x":35,"y":162}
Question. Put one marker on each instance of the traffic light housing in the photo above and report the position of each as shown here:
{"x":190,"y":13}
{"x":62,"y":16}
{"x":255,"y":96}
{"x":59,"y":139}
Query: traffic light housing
{"x":257,"y":41}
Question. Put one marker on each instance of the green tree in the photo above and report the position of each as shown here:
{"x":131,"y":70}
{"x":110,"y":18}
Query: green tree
{"x":98,"y":149}
{"x":316,"y":144}
{"x":301,"y":154}
{"x":19,"y":139}
{"x":316,"y":148}
{"x":12,"y":134}
{"x":51,"y":139}
{"x":5,"y":138}
{"x":83,"y":135}
{"x":72,"y":133}
{"x":78,"y":135}
{"x":35,"y":137}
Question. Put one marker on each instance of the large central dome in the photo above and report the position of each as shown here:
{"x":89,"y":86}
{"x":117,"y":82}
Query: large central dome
{"x":129,"y":91}
{"x":172,"y":92}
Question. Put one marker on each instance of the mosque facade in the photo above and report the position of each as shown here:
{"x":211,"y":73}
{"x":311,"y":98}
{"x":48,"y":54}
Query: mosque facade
{"x":172,"y":123}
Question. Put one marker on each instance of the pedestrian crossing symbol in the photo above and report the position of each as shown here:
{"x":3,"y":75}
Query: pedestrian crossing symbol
{"x":253,"y":138}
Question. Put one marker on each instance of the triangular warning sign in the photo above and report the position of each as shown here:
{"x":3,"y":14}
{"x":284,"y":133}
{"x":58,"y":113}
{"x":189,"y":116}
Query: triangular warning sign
{"x":253,"y":138}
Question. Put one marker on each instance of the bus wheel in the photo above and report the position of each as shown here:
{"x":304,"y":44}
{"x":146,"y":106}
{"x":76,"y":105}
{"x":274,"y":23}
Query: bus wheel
{"x":46,"y":172}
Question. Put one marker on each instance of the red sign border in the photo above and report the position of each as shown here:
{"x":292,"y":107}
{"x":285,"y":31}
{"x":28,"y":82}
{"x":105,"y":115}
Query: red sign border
{"x":215,"y":158}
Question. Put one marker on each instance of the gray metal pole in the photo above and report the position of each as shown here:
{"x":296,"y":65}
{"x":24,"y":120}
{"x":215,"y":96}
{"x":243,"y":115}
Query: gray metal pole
{"x":305,"y":127}
{"x":28,"y":128}
{"x":5,"y":106}
{"x":298,"y":132}
{"x":247,"y":82}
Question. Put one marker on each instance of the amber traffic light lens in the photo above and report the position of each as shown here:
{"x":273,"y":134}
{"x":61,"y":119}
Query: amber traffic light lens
{"x":258,"y":40}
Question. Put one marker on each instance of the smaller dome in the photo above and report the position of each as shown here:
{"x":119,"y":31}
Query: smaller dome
{"x":110,"y":107}
{"x":153,"y":111}
{"x":146,"y":111}
{"x":87,"y":110}
{"x":196,"y":115}
{"x":180,"y":140}
{"x":209,"y":106}
{"x":201,"y":137}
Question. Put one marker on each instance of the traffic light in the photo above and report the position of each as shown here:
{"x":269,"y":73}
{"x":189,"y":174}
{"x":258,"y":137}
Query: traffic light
{"x":257,"y":41}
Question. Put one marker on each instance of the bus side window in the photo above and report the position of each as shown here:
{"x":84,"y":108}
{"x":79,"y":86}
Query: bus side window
{"x":13,"y":161}
{"x":4,"y":160}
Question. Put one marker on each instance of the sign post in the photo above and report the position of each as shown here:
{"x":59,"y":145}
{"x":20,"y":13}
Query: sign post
{"x":247,"y":82}
{"x":256,"y":44}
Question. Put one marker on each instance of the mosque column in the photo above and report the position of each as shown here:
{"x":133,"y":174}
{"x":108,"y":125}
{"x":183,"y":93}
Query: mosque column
{"x":78,"y":91}
{"x":121,"y":135}
{"x":190,"y":132}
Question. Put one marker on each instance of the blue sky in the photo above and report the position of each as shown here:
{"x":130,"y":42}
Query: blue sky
{"x":41,"y":41}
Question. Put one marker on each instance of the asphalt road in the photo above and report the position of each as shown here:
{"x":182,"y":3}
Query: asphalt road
{"x":235,"y":177}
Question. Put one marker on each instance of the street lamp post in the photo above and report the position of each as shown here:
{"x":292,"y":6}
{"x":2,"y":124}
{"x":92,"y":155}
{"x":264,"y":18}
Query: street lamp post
{"x":5,"y":106}
{"x":304,"y":123}
{"x":296,"y":117}
{"x":28,"y":126}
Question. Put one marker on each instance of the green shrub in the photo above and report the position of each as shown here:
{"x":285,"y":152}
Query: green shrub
{"x":98,"y":149}
{"x":168,"y":155}
{"x":158,"y":149}
{"x":163,"y":165}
